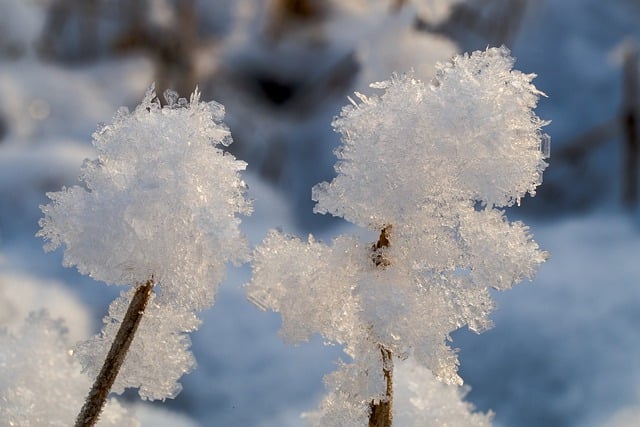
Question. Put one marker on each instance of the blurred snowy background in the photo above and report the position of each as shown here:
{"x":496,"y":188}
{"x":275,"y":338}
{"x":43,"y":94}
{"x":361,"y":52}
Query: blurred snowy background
{"x":565,"y":349}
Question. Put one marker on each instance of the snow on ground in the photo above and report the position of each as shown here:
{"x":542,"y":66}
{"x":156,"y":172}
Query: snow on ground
{"x":564,"y":350}
{"x":21,"y":293}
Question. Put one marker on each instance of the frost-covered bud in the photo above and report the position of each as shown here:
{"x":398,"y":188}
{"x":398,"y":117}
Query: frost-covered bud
{"x":41,"y":384}
{"x":159,"y":201}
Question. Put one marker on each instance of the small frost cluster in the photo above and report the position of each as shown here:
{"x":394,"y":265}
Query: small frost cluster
{"x":149,"y":368}
{"x":41,"y":383}
{"x":427,"y":167}
{"x":421,"y":401}
{"x":159,"y":203}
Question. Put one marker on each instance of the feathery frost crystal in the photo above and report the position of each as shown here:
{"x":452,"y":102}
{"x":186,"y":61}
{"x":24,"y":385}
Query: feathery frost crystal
{"x":160,"y":199}
{"x":159,"y":205}
{"x":470,"y":135}
{"x":421,"y":401}
{"x":426,"y":167}
{"x":41,"y":384}
{"x":159,"y":355}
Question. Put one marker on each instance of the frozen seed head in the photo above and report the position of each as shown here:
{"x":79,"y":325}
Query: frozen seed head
{"x":160,"y":200}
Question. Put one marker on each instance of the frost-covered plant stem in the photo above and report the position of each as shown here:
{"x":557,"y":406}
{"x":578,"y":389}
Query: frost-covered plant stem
{"x":157,"y":209}
{"x":439,"y":161}
{"x":382,"y":411}
{"x":97,"y":397}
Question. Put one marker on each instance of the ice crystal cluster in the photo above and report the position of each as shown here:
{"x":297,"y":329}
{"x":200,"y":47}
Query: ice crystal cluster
{"x":148,"y":367}
{"x":159,"y":203}
{"x":427,"y":167}
{"x":41,"y":383}
{"x":421,"y":401}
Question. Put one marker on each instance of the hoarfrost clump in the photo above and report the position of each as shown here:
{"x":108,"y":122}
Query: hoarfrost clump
{"x":422,"y":401}
{"x":158,"y":209}
{"x":162,"y":328}
{"x":426,"y":167}
{"x":160,"y":199}
{"x":40,"y":381}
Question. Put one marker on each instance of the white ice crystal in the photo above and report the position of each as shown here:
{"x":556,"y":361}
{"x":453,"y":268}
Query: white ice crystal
{"x":283,"y":260}
{"x":423,"y":401}
{"x":420,"y":400}
{"x":427,"y":167}
{"x":159,"y":204}
{"x":41,"y":384}
{"x":161,"y":199}
{"x":470,"y":135}
{"x":159,"y":354}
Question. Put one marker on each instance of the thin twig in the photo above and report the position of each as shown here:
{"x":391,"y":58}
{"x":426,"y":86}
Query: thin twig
{"x":97,"y":397}
{"x":382,"y":411}
{"x":384,"y":241}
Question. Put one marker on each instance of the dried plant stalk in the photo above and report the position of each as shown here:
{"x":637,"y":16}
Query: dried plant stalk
{"x":382,"y":411}
{"x":97,"y":397}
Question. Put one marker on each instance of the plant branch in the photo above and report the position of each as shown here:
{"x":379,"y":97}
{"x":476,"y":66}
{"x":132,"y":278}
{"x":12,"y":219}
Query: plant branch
{"x":384,"y":241}
{"x":382,"y":411}
{"x":97,"y":397}
{"x":630,"y":119}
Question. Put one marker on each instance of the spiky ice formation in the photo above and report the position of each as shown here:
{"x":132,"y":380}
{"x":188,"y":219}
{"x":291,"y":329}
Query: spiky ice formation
{"x":427,"y":167}
{"x":161,"y":199}
{"x":40,"y":381}
{"x":158,"y":207}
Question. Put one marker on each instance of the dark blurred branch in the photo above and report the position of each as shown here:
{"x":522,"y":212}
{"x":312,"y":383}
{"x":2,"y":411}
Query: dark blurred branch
{"x":625,"y":124}
{"x":60,"y":15}
{"x":396,"y":5}
{"x":72,"y":32}
{"x":629,"y":119}
{"x":579,"y":147}
{"x":173,"y":50}
{"x":286,"y":15}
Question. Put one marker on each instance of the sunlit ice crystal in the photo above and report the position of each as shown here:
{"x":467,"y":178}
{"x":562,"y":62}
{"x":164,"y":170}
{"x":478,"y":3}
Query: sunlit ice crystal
{"x":41,"y":383}
{"x":471,"y":134}
{"x":161,"y":200}
{"x":159,"y":354}
{"x":428,"y":167}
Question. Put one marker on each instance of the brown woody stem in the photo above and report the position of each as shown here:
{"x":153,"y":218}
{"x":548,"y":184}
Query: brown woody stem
{"x":384,"y":241}
{"x":382,"y":411}
{"x":97,"y":397}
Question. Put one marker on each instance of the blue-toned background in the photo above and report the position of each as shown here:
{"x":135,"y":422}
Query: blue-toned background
{"x":565,"y":350}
